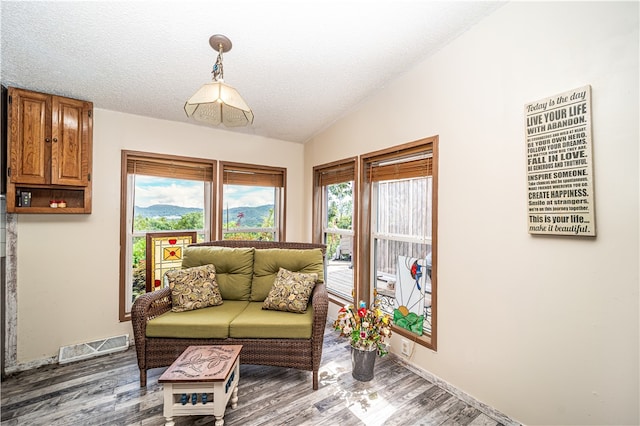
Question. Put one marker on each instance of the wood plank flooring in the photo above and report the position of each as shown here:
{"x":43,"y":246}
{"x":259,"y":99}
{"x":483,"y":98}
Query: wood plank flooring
{"x":106,"y":391}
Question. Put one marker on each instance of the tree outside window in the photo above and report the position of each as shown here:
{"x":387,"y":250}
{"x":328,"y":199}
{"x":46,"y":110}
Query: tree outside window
{"x":338,"y":236}
{"x":334,"y":224}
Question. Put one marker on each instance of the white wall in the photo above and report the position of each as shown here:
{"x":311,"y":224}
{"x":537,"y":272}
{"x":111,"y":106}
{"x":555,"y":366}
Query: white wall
{"x":68,"y":264}
{"x":544,"y":329}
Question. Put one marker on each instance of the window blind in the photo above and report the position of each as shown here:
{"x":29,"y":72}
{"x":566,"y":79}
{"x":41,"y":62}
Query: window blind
{"x":338,"y":173}
{"x":172,"y":168}
{"x":253,"y":175}
{"x":401,"y":164}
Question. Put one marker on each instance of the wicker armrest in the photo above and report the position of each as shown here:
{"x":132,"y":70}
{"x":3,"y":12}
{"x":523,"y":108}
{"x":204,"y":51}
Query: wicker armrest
{"x":320,"y":303}
{"x":145,"y":308}
{"x":150,"y":305}
{"x":320,"y":298}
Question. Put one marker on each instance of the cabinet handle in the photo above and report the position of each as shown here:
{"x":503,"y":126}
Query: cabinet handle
{"x":47,"y":140}
{"x":55,"y":139}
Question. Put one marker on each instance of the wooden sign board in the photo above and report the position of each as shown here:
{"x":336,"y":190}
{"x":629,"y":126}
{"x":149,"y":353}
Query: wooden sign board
{"x":560,"y":165}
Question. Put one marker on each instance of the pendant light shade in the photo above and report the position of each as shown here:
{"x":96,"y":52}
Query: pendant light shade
{"x":217,"y":102}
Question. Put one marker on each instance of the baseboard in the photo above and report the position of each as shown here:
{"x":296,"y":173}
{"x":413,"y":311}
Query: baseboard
{"x":463,"y":396}
{"x":25,"y":366}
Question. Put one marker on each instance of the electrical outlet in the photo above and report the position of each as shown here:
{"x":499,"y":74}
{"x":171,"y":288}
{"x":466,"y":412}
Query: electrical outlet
{"x":406,"y":347}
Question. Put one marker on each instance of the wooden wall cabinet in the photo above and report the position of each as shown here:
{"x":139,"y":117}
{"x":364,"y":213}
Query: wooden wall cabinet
{"x":50,"y":145}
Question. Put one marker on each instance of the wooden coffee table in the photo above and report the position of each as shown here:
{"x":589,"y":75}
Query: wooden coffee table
{"x":201,"y":382}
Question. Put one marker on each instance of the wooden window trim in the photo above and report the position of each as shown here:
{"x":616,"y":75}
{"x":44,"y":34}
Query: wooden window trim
{"x":363,"y":289}
{"x":230,"y":173}
{"x":327,"y":174}
{"x":176,"y":166}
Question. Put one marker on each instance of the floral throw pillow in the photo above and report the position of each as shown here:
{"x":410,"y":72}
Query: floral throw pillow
{"x":193,"y":288}
{"x":290,"y":291}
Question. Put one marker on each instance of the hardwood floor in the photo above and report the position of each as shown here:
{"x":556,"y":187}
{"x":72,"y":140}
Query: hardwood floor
{"x":105,"y":391}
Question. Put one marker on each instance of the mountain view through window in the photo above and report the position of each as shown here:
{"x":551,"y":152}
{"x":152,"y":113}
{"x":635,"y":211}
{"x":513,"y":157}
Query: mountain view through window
{"x":167,"y":204}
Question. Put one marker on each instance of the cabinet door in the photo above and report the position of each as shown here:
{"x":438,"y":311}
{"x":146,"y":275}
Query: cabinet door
{"x":29,"y":142}
{"x":71,"y":143}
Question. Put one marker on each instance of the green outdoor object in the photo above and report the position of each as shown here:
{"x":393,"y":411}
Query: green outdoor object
{"x":412,"y":322}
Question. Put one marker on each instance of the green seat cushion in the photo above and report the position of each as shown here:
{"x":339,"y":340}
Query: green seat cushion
{"x":206,"y":323}
{"x":234,"y":268}
{"x":254,"y":322}
{"x":267,"y":263}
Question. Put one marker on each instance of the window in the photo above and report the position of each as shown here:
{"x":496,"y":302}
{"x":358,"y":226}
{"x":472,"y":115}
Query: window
{"x":159,"y":193}
{"x":333,"y":213}
{"x":253,"y":202}
{"x":399,"y":218}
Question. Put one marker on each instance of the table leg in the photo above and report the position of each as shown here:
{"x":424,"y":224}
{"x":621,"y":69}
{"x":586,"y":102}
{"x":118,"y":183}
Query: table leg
{"x":234,"y":397}
{"x":168,"y":404}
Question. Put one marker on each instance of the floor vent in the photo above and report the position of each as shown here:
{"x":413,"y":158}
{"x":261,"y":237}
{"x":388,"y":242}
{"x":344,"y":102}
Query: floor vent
{"x":92,"y":349}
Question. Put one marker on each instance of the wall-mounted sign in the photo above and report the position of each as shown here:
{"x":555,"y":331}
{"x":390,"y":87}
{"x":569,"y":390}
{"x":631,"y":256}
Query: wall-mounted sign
{"x":560,"y":164}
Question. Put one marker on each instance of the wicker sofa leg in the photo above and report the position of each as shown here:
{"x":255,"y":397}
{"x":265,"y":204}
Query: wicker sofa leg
{"x":315,"y":380}
{"x":143,"y":378}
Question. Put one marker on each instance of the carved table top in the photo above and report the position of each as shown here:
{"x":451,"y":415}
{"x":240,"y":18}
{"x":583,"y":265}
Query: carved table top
{"x":202,"y":364}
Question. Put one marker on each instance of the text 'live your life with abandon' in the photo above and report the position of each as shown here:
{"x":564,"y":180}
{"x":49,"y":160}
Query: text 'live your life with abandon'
{"x":559,"y":164}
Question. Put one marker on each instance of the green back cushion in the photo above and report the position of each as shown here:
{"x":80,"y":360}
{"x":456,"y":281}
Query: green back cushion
{"x":267,"y":263}
{"x":234,"y":268}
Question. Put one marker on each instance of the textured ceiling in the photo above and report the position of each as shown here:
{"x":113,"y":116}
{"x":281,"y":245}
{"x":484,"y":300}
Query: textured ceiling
{"x":300,"y":65}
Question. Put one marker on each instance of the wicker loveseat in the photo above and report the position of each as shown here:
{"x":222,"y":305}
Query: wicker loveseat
{"x":269,"y":337}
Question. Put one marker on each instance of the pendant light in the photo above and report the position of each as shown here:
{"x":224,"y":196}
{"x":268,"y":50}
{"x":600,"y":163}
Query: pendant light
{"x":217,"y":102}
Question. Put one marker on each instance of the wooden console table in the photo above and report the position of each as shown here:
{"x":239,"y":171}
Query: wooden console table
{"x":201,"y":382}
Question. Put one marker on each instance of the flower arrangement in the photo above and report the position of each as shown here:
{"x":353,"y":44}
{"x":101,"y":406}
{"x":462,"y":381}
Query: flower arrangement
{"x":366,"y":327}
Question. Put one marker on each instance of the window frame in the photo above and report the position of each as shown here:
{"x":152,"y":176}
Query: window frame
{"x":365,"y":285}
{"x":160,"y":165}
{"x":246,"y":174}
{"x":323,"y":175}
